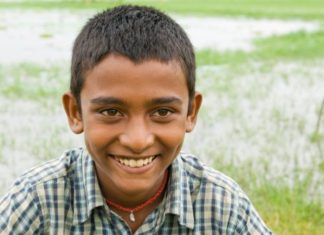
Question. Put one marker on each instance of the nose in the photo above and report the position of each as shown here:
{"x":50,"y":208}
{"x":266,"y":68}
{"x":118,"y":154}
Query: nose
{"x":137,"y":136}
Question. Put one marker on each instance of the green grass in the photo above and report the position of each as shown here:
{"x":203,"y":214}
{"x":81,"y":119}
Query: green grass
{"x":306,"y":9}
{"x":300,"y":45}
{"x":286,"y":210}
{"x":32,"y":81}
{"x":295,"y":46}
{"x":213,"y":57}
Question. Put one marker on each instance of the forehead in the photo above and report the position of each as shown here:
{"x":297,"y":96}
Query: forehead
{"x":117,"y":75}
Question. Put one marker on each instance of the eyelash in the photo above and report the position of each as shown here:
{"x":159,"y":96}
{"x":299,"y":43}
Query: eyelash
{"x":105,"y":112}
{"x":157,"y":113}
{"x":169,"y":112}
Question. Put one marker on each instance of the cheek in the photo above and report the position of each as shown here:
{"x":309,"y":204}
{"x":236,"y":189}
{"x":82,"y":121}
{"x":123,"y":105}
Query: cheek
{"x":97,"y":137}
{"x":172,"y":137}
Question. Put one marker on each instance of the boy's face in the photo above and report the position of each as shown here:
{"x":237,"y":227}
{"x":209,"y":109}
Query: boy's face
{"x":134,"y":118}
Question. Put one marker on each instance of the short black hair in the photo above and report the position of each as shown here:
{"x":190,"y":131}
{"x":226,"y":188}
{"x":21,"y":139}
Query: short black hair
{"x":137,"y":32}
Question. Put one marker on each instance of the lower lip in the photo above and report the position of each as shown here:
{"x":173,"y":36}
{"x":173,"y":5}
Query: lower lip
{"x":137,"y":170}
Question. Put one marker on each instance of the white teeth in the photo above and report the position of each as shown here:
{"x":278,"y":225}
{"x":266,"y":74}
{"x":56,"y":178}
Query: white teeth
{"x":126,"y":162}
{"x":135,"y":163}
{"x":132,"y":163}
{"x":140,"y":163}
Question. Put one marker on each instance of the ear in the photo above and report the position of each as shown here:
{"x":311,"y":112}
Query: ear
{"x":192,"y":116}
{"x":72,"y":112}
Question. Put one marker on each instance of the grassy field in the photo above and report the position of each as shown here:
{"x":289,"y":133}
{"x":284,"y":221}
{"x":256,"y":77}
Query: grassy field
{"x":306,"y":9}
{"x":297,"y":46}
{"x":259,"y":123}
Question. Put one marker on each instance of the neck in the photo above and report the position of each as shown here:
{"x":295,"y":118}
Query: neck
{"x":144,"y":204}
{"x":112,"y":191}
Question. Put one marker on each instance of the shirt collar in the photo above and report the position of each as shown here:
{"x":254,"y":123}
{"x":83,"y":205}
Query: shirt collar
{"x":178,"y":198}
{"x":87,"y":193}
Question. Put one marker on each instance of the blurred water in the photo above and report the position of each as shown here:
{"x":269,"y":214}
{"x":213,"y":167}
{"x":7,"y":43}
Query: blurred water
{"x":47,"y":36}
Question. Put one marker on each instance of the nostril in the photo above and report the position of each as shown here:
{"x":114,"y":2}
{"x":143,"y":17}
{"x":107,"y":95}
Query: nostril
{"x":136,"y":143}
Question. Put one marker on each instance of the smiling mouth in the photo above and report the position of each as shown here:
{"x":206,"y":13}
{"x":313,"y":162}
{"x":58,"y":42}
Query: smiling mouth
{"x":135,"y":163}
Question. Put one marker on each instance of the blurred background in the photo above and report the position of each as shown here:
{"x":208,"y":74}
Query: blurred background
{"x":260,"y":68}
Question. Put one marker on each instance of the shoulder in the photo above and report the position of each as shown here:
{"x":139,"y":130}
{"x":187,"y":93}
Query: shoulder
{"x":213,"y":191}
{"x":61,"y":168}
{"x":21,"y":207}
{"x":53,"y":169}
{"x":37,"y":179}
{"x":200,"y":173}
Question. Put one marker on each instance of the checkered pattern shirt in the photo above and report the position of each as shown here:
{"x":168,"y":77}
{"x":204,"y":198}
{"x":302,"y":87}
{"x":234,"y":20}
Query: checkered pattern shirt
{"x":63,"y":197}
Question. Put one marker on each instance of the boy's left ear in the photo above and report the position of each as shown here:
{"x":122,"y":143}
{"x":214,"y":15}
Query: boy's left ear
{"x":192,"y":116}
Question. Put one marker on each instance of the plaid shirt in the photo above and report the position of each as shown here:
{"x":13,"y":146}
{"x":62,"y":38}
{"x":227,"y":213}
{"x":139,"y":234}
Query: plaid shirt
{"x":63,"y":197}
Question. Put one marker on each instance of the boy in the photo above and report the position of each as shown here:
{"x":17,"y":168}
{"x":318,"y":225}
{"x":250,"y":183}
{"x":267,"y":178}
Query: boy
{"x":133,"y":96}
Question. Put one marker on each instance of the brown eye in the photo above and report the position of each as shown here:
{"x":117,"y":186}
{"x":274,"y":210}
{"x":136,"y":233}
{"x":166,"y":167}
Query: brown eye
{"x":162,"y":112}
{"x":110,"y":112}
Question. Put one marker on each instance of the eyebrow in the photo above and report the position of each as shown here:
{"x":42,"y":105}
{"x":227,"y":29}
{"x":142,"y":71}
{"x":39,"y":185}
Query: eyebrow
{"x":104,"y":100}
{"x":166,"y":100}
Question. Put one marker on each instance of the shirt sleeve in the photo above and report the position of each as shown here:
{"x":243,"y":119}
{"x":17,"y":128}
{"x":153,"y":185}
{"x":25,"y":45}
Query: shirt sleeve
{"x":20,"y":211}
{"x":249,"y":221}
